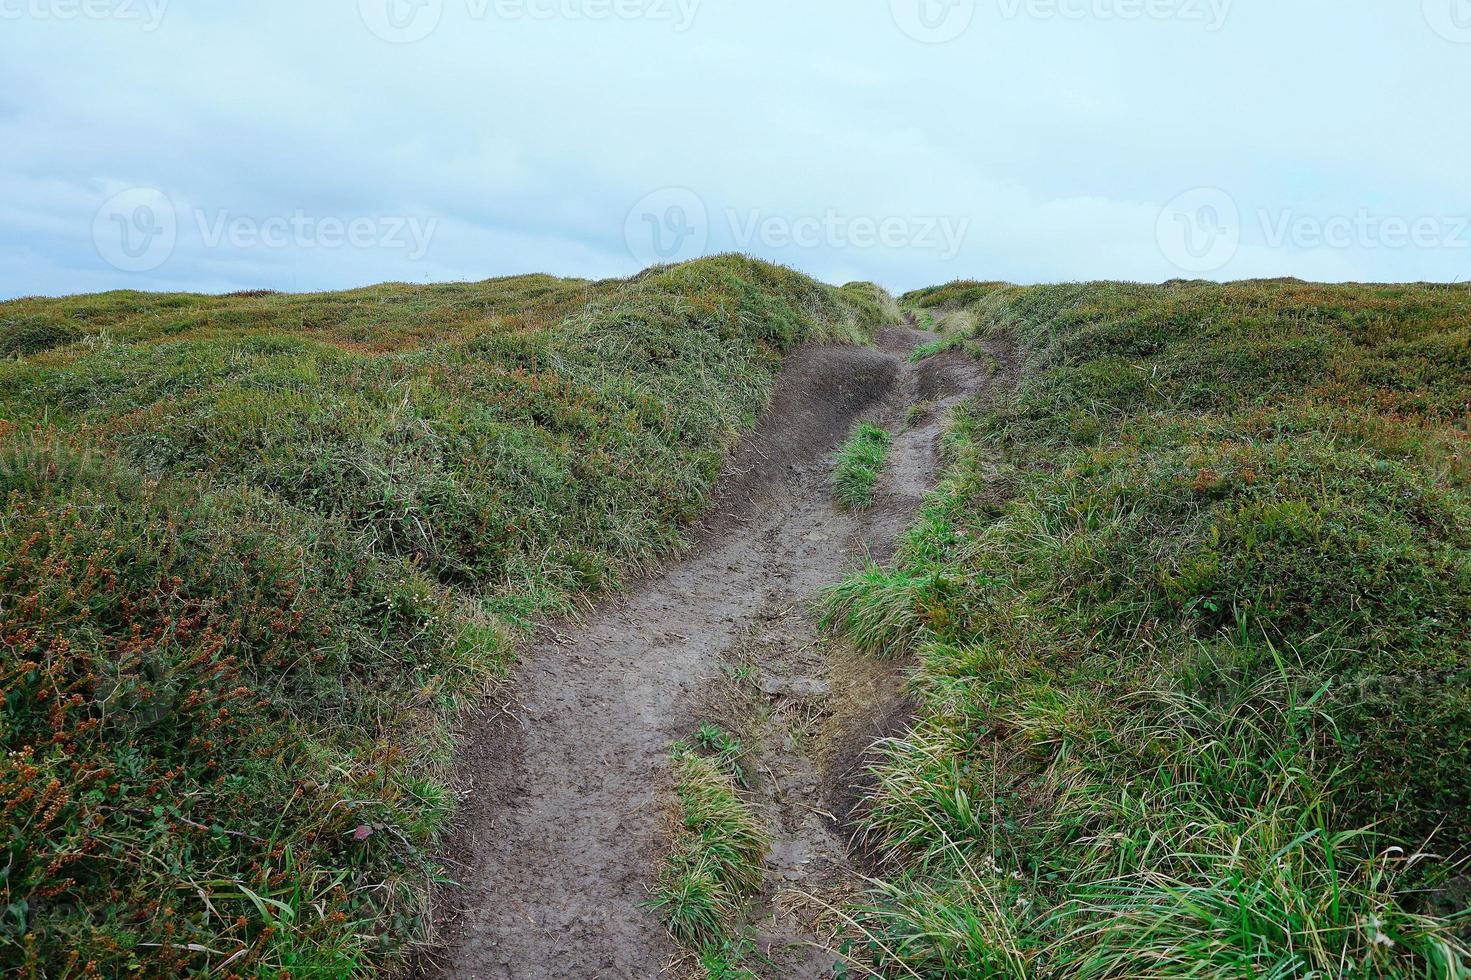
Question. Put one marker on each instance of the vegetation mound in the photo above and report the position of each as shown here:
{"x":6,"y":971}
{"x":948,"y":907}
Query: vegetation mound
{"x":1192,"y":614}
{"x":258,"y":548}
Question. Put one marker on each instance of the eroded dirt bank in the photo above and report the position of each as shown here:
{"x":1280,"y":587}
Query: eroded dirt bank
{"x":568,"y":790}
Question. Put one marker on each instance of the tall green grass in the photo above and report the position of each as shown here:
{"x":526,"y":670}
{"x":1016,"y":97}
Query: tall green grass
{"x":718,"y":854}
{"x":1190,"y":622}
{"x":258,"y":549}
{"x":858,"y":464}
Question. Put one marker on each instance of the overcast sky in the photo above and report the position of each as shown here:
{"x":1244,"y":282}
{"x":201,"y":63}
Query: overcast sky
{"x":233,"y":144}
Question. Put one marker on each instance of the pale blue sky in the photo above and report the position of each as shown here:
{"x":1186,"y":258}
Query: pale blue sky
{"x":164,"y":144}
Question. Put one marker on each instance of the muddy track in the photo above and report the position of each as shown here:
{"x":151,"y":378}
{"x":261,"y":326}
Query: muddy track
{"x":567,"y":792}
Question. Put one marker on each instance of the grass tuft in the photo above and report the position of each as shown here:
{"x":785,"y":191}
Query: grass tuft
{"x":718,"y":855}
{"x":857,"y":465}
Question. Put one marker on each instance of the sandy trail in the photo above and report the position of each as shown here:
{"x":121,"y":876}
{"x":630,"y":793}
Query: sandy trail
{"x":567,"y":795}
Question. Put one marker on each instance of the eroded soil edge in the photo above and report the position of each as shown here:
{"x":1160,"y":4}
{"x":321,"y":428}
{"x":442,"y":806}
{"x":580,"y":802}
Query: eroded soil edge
{"x":566,"y":791}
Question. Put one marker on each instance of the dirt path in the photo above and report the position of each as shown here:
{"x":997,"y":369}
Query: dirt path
{"x":563,"y":821}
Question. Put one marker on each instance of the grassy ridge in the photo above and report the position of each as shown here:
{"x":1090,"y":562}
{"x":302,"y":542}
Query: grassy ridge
{"x":256,"y":548}
{"x":1191,"y":615}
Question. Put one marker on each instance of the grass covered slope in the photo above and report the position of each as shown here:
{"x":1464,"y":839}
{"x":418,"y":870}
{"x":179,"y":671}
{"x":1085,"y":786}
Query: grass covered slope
{"x":1192,"y":616}
{"x":255,"y":548}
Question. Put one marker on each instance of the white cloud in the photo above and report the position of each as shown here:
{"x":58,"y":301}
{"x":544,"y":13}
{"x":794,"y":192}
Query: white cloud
{"x":527,"y":140}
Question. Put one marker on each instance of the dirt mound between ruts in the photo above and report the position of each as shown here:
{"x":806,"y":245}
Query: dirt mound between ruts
{"x":821,"y":393}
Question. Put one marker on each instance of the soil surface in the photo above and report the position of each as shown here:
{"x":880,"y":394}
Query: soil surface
{"x":568,"y":792}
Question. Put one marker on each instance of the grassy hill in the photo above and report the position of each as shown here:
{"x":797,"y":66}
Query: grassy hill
{"x":1190,"y":618}
{"x":256,"y":549}
{"x":1192,"y":623}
